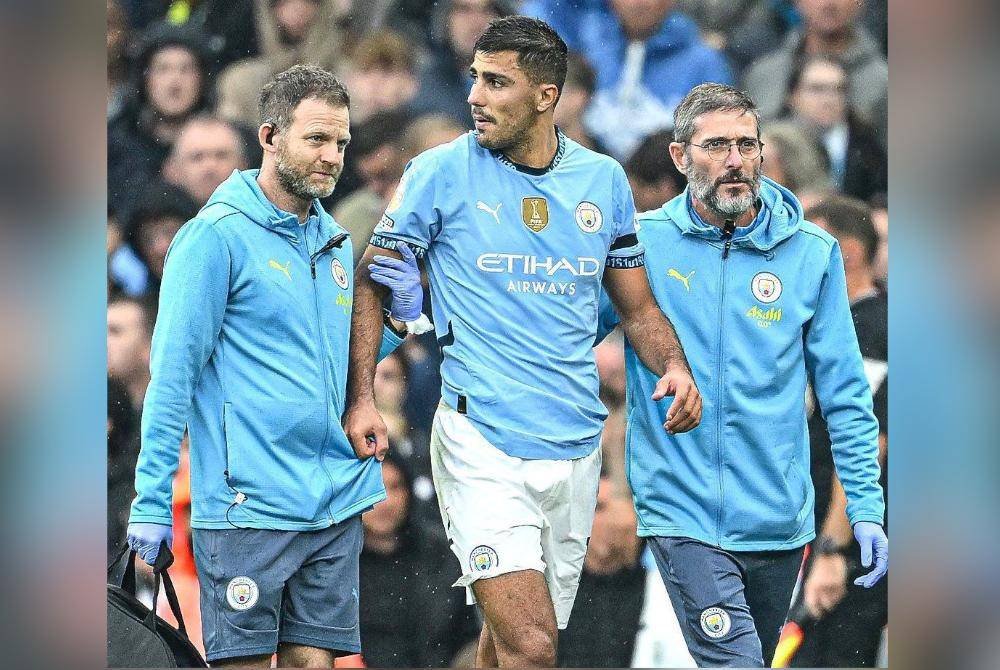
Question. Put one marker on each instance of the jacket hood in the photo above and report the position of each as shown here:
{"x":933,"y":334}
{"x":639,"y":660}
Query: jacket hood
{"x":242,"y":192}
{"x":779,"y":218}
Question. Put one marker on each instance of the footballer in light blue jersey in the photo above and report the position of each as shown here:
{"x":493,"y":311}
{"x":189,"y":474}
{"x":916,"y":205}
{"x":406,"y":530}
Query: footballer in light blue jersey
{"x":515,"y":258}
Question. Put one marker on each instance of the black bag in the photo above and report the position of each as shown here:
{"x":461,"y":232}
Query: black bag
{"x":137,"y":638}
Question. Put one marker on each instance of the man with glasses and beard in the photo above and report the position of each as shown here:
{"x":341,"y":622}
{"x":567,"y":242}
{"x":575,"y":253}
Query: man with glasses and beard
{"x":759,"y":298}
{"x":249,"y":353}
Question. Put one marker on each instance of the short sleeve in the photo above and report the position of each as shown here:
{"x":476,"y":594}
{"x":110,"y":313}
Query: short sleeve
{"x":413,"y":215}
{"x":626,"y":250}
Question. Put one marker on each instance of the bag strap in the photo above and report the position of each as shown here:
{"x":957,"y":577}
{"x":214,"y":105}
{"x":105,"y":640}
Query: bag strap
{"x":164,"y":559}
{"x":127,"y":579}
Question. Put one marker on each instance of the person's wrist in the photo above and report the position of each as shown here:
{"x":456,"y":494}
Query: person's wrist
{"x":397,"y":326}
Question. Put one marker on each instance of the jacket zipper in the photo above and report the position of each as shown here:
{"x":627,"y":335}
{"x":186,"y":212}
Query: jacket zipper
{"x":335,"y":241}
{"x":727,"y":236}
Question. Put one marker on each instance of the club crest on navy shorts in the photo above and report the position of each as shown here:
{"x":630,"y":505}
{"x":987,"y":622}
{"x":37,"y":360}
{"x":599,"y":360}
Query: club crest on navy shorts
{"x":483,"y":558}
{"x":242,"y":593}
{"x":715,"y":622}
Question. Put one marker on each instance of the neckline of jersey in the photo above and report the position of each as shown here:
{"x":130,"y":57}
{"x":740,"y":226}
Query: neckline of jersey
{"x":536,"y":172}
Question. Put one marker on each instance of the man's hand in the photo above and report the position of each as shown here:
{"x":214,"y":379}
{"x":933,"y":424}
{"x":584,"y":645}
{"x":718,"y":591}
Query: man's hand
{"x":826,"y":584}
{"x":685,"y":411}
{"x":402,"y":277}
{"x":871,"y":537}
{"x":366,"y":430}
{"x":145,"y":538}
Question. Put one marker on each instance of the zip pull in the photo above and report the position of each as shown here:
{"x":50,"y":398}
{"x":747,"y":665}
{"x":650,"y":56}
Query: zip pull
{"x":727,"y":234}
{"x":332,"y":243}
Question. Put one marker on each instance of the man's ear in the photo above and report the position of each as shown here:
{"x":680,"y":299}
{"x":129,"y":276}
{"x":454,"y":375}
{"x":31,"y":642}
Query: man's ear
{"x":677,"y":155}
{"x":547,"y":96}
{"x":265,"y":136}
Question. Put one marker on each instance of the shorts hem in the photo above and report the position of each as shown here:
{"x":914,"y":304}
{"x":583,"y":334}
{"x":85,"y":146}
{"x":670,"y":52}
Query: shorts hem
{"x":237,"y":652}
{"x":468,"y":579}
{"x":322,"y":643}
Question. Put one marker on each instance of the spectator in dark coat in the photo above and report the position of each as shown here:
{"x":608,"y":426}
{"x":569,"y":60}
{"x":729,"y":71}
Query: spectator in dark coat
{"x":410,"y":615}
{"x":169,"y":86}
{"x":123,"y":450}
{"x":818,"y":100}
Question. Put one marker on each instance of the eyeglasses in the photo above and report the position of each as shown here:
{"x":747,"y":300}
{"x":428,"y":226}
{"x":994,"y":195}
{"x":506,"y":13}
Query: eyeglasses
{"x":718,"y":150}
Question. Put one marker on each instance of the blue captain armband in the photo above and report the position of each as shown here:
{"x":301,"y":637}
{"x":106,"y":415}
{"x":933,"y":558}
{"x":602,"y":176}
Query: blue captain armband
{"x":384,"y":242}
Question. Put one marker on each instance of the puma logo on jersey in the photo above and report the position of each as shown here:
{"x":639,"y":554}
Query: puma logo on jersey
{"x":681,"y":278}
{"x":486,"y":208}
{"x":281,"y":268}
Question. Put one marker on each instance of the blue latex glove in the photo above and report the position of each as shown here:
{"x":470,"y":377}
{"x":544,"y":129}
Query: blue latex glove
{"x":145,"y":538}
{"x":403,"y":279}
{"x":872,"y":539}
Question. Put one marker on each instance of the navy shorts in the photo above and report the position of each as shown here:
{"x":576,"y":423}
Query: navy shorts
{"x":730,"y":605}
{"x":259,"y":587}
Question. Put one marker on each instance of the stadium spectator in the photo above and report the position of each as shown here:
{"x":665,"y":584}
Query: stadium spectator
{"x":741,"y":29}
{"x":574,"y":100}
{"x":605,"y":620}
{"x":818,"y":100}
{"x":249,"y":353}
{"x":289,"y":32}
{"x":647,"y":56}
{"x":118,"y":66}
{"x":729,"y":510}
{"x":880,"y":217}
{"x":793,"y":159}
{"x":130,"y":331}
{"x":169,"y":86}
{"x":381,"y":75}
{"x":126,"y":272}
{"x":850,"y":618}
{"x":123,"y":449}
{"x":444,"y":78}
{"x":157,"y":217}
{"x":378,"y":163}
{"x":828,"y":27}
{"x":410,"y":615}
{"x":430,"y":130}
{"x":228,"y":24}
{"x":651,"y":173}
{"x":205,"y":153}
{"x":610,"y":360}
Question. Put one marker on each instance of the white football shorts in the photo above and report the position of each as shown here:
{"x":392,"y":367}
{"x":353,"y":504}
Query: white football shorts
{"x":505,"y":514}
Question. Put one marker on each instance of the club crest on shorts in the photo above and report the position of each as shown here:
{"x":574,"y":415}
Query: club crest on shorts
{"x":715,"y":622}
{"x":242,"y":593}
{"x":766,"y":287}
{"x":339,"y":273}
{"x":483,"y":558}
{"x":589,"y":217}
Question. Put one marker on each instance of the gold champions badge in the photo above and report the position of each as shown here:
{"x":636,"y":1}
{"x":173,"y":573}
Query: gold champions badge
{"x":535,"y":213}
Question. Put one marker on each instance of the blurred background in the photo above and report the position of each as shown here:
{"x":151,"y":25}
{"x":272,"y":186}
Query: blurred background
{"x":183,"y":78}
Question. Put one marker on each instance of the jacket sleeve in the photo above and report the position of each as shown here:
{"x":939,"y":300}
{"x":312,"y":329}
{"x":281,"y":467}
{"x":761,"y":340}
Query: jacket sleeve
{"x":390,"y":342}
{"x":193,"y":297}
{"x":837,"y":372}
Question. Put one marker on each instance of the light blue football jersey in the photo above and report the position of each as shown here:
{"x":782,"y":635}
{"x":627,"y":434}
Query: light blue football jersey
{"x":515,"y":258}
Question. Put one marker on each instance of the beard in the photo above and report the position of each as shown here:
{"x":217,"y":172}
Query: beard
{"x":502,"y":136}
{"x":297,"y":182}
{"x":710,"y":191}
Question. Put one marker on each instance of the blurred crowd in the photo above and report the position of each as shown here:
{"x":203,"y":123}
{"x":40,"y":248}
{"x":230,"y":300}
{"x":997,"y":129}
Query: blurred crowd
{"x":183,"y":79}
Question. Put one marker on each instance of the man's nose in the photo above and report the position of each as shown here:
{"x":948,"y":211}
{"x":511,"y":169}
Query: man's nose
{"x":333,"y":155}
{"x":733,"y":158}
{"x":475,"y":95}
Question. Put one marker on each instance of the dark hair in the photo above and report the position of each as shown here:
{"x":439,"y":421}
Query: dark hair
{"x":281,"y":95}
{"x":541,"y":53}
{"x":651,"y":161}
{"x":848,"y":217}
{"x":707,"y":98}
{"x":146,"y":304}
{"x":381,"y":128}
{"x":159,"y":201}
{"x":579,"y":73}
{"x":805,"y":60}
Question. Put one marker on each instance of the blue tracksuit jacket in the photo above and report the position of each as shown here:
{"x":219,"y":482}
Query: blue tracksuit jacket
{"x":757,"y":323}
{"x":250,"y":353}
